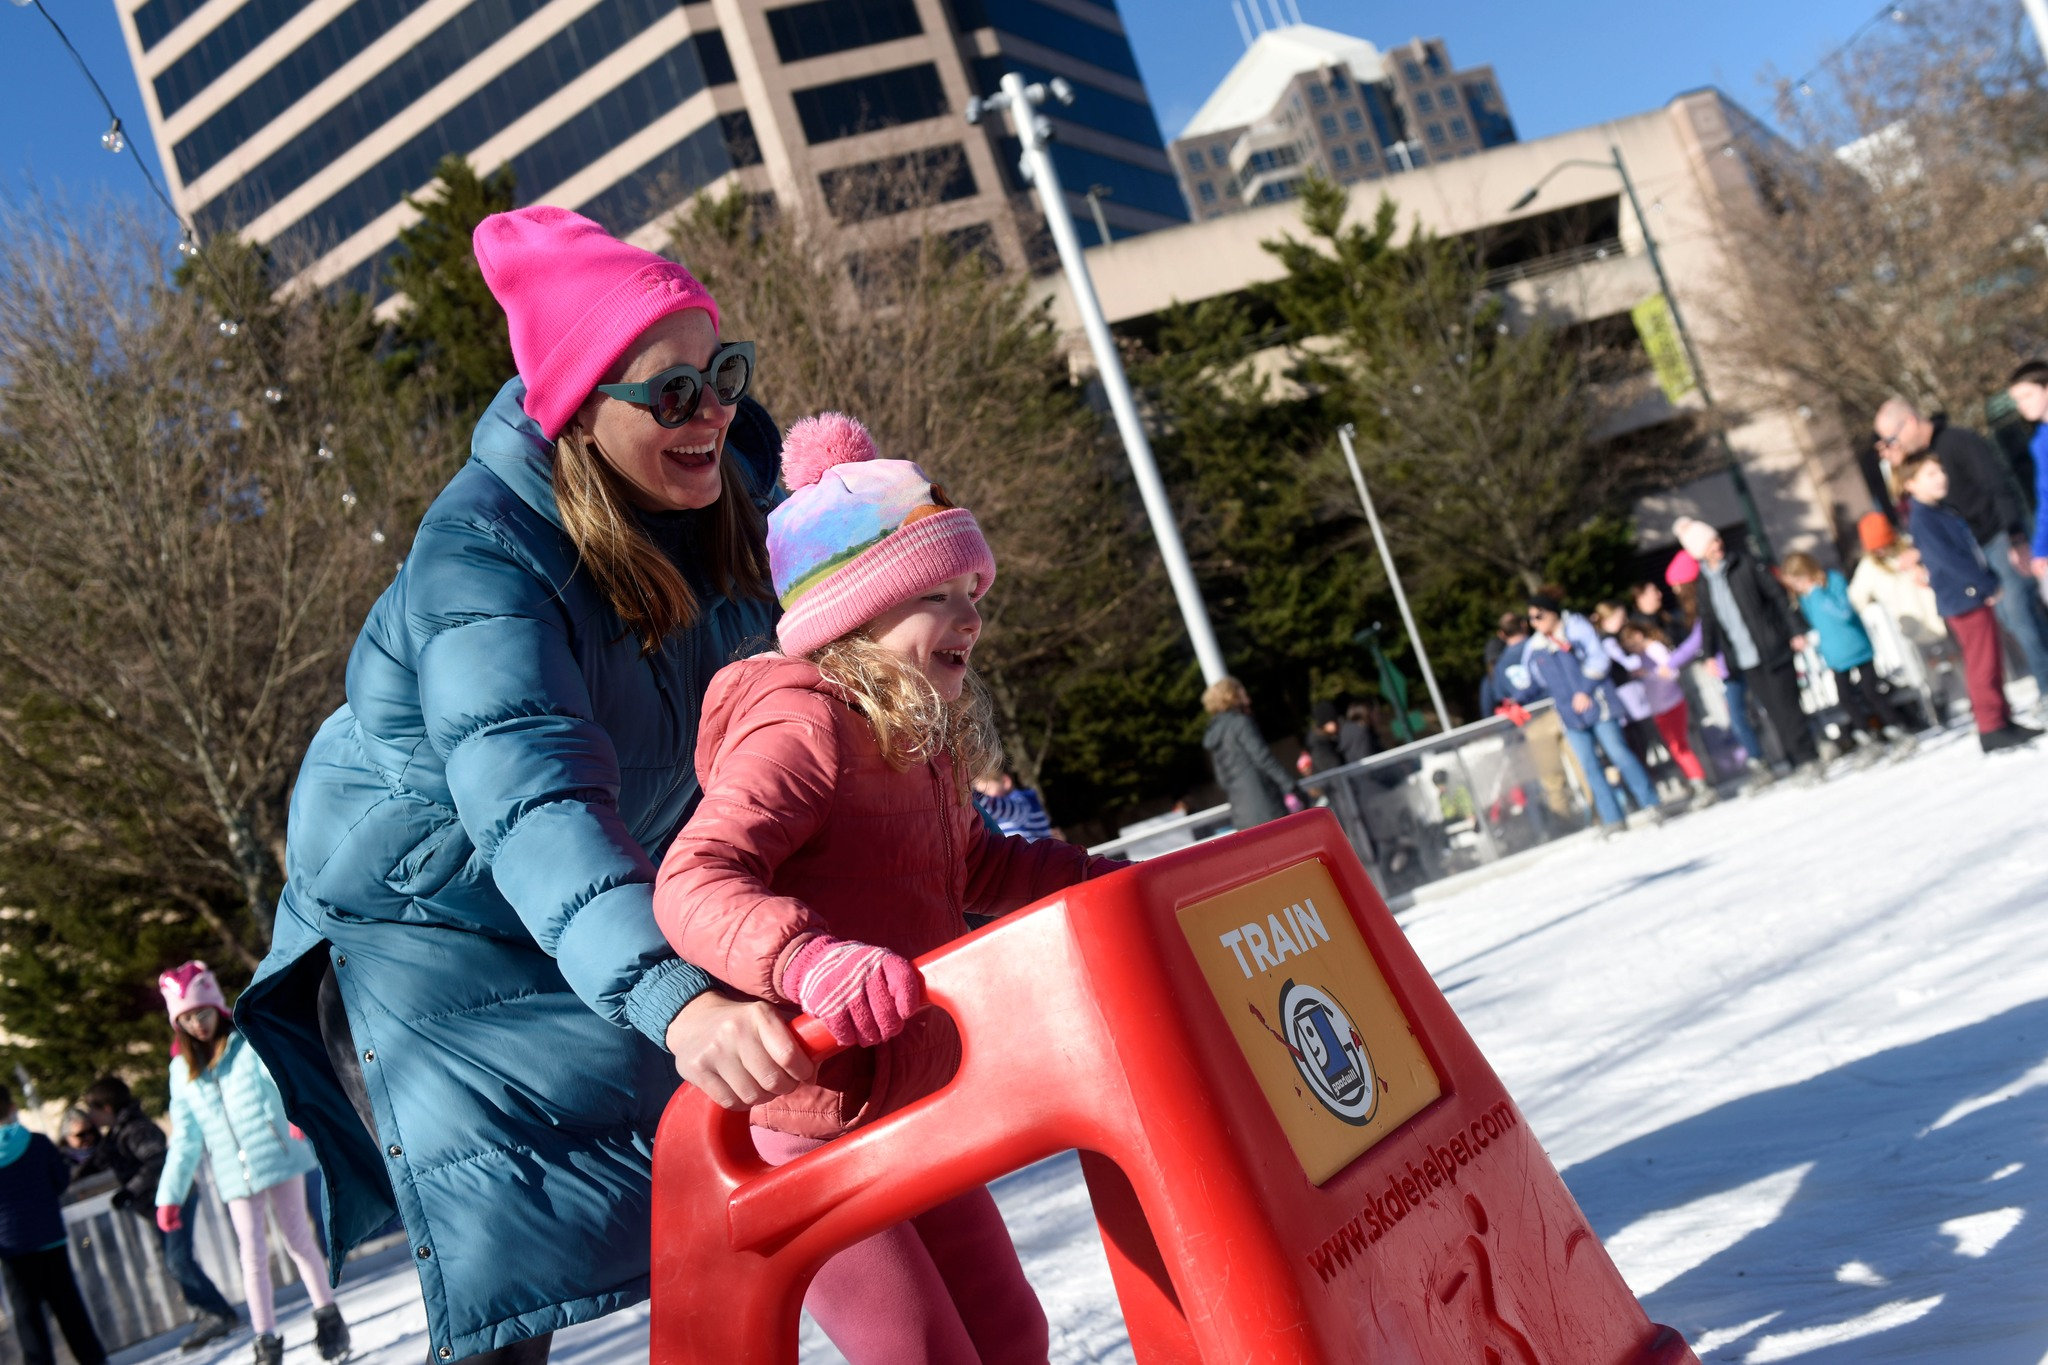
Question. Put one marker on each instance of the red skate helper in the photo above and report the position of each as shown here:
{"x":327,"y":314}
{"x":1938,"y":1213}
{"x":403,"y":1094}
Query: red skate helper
{"x":1295,"y":1151}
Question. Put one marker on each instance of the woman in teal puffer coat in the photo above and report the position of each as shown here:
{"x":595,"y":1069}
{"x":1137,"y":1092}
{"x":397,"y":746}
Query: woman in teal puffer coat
{"x":468,"y":1004}
{"x":224,"y":1106}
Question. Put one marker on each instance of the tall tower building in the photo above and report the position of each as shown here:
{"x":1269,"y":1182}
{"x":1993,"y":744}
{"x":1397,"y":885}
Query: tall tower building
{"x":305,"y":123}
{"x":1304,"y":98}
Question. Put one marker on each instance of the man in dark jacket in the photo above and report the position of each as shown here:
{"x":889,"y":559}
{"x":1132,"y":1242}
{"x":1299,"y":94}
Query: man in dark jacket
{"x":1746,"y":618}
{"x":1324,"y":722}
{"x":35,"y":1251}
{"x":132,"y":1148}
{"x":1984,"y":492}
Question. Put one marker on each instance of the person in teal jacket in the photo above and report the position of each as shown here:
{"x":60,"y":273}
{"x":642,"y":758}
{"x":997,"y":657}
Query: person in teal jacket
{"x":1846,"y":649}
{"x":468,"y":1005}
{"x":224,"y":1106}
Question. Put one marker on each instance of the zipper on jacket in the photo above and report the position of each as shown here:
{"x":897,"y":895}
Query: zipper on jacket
{"x":953,"y":869}
{"x":228,"y":1117}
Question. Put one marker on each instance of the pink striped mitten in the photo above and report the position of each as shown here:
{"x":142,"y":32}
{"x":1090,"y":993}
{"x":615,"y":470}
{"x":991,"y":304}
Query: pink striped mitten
{"x":862,"y":993}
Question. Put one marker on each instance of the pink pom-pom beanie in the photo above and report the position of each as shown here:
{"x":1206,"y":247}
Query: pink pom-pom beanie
{"x":575,"y":298}
{"x":858,"y":535}
{"x":188,"y":987}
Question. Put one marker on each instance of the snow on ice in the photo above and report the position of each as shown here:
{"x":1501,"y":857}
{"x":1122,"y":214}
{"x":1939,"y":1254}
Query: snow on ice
{"x":1791,"y":1054}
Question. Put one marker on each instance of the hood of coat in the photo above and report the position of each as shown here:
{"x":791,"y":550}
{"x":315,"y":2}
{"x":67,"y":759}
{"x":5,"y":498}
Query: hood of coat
{"x":509,"y":444}
{"x":744,"y":685}
{"x":13,"y":1142}
{"x":1221,"y":726}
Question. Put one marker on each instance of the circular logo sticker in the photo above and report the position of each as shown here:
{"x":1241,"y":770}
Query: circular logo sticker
{"x":1328,"y":1052}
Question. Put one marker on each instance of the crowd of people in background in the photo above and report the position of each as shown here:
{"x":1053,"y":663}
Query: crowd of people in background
{"x":225,"y":1110}
{"x":1956,"y":564}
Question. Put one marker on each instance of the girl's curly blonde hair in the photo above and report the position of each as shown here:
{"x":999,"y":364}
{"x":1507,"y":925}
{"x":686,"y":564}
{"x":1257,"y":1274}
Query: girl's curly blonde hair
{"x":912,"y":722}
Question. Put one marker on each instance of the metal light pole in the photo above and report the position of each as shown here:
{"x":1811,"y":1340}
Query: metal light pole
{"x":1379,"y":538}
{"x":1098,"y":193}
{"x":1699,"y":374}
{"x":2037,"y":12}
{"x":1021,"y":100}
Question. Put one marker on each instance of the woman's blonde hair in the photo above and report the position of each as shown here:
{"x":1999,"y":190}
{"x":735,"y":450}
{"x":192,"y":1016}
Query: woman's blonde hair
{"x":1798,"y":564}
{"x":1225,"y":694}
{"x":649,"y":592}
{"x":912,"y":722}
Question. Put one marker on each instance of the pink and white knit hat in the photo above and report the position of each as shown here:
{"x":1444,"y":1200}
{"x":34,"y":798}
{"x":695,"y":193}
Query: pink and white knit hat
{"x":858,"y":534}
{"x":188,"y":987}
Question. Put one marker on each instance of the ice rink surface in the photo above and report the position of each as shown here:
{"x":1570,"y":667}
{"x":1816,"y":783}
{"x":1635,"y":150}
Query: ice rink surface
{"x":1791,"y":1054}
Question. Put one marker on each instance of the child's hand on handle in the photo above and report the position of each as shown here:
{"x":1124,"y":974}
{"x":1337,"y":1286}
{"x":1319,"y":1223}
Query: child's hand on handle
{"x":169,"y":1217}
{"x":862,"y":993}
{"x":739,"y":1052}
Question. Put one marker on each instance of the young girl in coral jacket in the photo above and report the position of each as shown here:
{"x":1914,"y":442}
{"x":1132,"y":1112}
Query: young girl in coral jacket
{"x":837,"y":840}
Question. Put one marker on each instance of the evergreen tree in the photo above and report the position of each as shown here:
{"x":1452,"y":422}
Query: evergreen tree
{"x":449,"y":339}
{"x":1286,"y":568}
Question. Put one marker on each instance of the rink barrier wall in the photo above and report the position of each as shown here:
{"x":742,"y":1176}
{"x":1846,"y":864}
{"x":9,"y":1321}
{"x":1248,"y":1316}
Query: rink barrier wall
{"x":120,"y":1271}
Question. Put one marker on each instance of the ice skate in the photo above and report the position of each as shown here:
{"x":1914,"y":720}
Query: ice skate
{"x":210,"y":1328}
{"x":2011,"y":736}
{"x":330,"y":1333}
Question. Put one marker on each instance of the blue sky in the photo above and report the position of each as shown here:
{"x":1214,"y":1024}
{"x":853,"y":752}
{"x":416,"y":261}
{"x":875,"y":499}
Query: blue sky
{"x":1562,"y":63}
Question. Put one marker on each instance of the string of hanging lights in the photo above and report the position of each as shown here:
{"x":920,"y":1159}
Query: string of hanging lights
{"x":1892,"y":14}
{"x":116,"y":141}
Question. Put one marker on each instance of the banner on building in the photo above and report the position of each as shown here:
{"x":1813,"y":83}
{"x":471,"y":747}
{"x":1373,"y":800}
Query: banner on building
{"x":1667,"y":352}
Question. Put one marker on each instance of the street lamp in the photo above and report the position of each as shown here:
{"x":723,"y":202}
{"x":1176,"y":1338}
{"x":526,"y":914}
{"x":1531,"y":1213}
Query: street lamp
{"x":1098,"y":193}
{"x":1379,"y":538}
{"x":1692,"y":355}
{"x":1034,"y":132}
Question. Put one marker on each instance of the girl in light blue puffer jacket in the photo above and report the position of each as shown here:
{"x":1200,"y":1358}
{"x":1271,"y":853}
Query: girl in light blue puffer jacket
{"x":225,"y":1106}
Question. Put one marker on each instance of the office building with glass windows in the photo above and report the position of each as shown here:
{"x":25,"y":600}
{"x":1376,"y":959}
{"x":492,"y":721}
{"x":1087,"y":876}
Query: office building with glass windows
{"x":305,"y":123}
{"x":1304,"y":98}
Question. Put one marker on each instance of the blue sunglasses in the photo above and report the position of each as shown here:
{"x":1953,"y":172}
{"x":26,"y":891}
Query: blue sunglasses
{"x":674,"y":395}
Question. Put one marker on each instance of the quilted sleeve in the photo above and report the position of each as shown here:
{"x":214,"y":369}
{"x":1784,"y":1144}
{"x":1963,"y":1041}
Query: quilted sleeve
{"x":1007,"y":872}
{"x":768,"y":789}
{"x":534,"y":777}
{"x":187,"y":1145}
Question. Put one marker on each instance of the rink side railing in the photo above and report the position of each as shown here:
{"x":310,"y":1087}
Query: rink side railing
{"x":121,"y":1275}
{"x":1505,"y":789}
{"x":1440,"y":805}
{"x":120,"y":1271}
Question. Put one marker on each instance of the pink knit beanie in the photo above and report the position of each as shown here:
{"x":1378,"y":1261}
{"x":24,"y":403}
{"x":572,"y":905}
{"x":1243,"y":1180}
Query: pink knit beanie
{"x":576,"y":298}
{"x":858,"y":535}
{"x":188,"y":987}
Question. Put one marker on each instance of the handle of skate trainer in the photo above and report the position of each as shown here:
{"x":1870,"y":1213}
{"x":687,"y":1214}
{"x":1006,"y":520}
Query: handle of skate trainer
{"x":818,"y":1042}
{"x":1001,"y":986}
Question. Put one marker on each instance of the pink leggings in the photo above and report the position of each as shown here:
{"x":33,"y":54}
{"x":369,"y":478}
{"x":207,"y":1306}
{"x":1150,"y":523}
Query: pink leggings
{"x":944,"y":1288}
{"x":286,"y":1201}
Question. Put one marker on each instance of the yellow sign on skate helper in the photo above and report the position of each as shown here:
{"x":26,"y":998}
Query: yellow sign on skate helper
{"x":1332,"y":1051}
